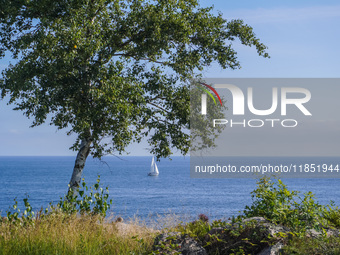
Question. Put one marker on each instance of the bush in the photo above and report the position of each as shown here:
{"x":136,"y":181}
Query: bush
{"x":325,"y":245}
{"x":96,"y":202}
{"x":273,"y":201}
{"x":92,"y":201}
{"x":332,"y":215}
{"x":198,"y":229}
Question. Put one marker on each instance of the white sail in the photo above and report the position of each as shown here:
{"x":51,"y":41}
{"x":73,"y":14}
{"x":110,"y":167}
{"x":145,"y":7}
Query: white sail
{"x":153,"y":168}
{"x":156,"y":169}
{"x":152,"y":165}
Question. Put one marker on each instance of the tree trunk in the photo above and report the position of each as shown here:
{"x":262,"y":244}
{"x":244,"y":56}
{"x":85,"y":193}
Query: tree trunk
{"x":80,"y":164}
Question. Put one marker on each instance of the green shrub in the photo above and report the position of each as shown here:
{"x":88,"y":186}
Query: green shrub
{"x":325,"y":245}
{"x":332,"y":215}
{"x":14,"y":217}
{"x":273,"y":201}
{"x":94,"y":202}
{"x":196,"y":229}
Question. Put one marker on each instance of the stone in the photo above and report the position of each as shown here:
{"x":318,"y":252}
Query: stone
{"x":119,"y":219}
{"x":272,"y":250}
{"x":330,"y":232}
{"x":190,"y":247}
{"x":256,"y":219}
{"x":255,"y":235}
{"x":175,"y":243}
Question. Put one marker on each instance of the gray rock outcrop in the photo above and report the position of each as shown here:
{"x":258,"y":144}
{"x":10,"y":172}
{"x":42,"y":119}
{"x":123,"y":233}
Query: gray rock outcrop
{"x":175,"y":243}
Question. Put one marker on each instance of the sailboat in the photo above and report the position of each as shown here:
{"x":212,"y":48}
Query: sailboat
{"x":153,"y":168}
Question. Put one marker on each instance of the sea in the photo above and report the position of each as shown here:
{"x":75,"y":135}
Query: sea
{"x":134,"y":194}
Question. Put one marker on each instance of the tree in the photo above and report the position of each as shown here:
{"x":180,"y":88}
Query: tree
{"x":113,"y":68}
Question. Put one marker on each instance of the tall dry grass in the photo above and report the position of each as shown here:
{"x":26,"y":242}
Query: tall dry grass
{"x":59,"y":233}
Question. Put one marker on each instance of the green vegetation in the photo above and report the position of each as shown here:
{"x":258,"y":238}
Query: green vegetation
{"x":77,"y":225}
{"x":276,"y":203}
{"x":58,"y":233}
{"x":94,"y":203}
{"x":325,"y":245}
{"x":113,"y":72}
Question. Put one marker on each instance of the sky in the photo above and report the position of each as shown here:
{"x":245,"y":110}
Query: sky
{"x":302,"y":39}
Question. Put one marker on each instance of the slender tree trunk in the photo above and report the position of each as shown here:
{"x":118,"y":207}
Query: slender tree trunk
{"x":80,"y":164}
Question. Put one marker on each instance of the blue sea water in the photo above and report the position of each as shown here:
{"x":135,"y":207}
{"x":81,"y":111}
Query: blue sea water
{"x":45,"y":179}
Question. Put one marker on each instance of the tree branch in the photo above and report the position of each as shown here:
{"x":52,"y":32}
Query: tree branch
{"x":145,"y":59}
{"x":159,"y":107}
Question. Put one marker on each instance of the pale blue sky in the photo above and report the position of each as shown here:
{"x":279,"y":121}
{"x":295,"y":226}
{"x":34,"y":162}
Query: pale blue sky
{"x":303,"y":39}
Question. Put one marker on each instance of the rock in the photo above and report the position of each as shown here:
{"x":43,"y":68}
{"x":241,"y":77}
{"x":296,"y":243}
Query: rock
{"x":266,"y":227}
{"x":272,"y":250}
{"x":270,"y":228}
{"x":175,"y":243}
{"x":190,"y":247}
{"x":119,"y":219}
{"x":249,"y":236}
{"x":254,"y":235}
{"x":330,"y":232}
{"x":256,"y":219}
{"x":273,"y":230}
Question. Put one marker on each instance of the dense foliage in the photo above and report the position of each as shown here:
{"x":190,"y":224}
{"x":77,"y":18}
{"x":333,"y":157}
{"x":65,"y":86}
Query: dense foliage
{"x":273,"y":201}
{"x":113,"y":72}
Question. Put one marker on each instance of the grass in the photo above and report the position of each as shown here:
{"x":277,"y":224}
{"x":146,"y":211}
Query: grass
{"x":82,"y":227}
{"x":60,"y":233}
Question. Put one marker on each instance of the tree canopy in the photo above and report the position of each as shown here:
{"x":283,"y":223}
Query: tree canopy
{"x":113,"y":68}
